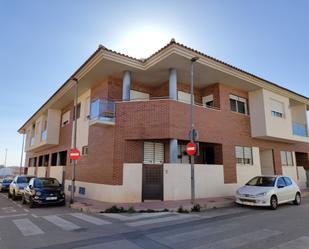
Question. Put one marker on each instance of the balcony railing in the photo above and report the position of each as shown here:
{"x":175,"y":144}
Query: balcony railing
{"x":300,"y":129}
{"x":102,"y":110}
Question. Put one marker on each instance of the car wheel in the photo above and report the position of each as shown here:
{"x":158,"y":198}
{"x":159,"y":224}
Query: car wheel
{"x":23,"y":200}
{"x":273,"y":202}
{"x":9,"y":195}
{"x":31,"y":203}
{"x":14,"y":196}
{"x":297,"y":200}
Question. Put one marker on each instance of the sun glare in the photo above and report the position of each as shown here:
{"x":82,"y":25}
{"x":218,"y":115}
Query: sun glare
{"x":144,"y":42}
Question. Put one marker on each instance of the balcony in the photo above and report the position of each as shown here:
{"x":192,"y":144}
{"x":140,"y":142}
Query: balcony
{"x":300,"y":129}
{"x":44,"y":132}
{"x":102,"y":112}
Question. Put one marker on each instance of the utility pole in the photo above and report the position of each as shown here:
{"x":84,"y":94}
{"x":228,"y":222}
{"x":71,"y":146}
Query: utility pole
{"x":74,"y":140}
{"x":5,"y":156}
{"x":192,"y":130}
{"x":22,"y":154}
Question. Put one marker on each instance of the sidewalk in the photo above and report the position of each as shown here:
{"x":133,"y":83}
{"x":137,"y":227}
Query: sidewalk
{"x":93,"y":206}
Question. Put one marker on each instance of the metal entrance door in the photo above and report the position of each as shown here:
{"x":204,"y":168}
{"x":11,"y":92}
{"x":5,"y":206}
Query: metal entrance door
{"x":152,"y":188}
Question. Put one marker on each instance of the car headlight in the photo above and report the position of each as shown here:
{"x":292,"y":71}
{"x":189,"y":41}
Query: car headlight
{"x":38,"y":193}
{"x":261,"y":194}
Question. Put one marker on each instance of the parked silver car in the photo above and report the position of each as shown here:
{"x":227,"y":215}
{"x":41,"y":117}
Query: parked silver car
{"x":17,"y":186}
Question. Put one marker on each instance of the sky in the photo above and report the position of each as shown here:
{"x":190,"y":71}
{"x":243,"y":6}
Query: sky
{"x":43,"y":42}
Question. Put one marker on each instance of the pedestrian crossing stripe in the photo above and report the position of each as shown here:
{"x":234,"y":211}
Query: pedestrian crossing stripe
{"x":27,"y":227}
{"x":62,"y":223}
{"x":90,"y":219}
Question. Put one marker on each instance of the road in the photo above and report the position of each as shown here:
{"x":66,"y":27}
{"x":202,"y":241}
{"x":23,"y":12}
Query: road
{"x":237,"y":227}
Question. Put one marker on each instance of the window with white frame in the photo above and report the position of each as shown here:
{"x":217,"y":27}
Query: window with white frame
{"x":184,"y":97}
{"x":286,"y":158}
{"x":277,"y":108}
{"x":243,"y":155}
{"x":65,"y":119}
{"x":208,"y":100}
{"x":238,"y":104}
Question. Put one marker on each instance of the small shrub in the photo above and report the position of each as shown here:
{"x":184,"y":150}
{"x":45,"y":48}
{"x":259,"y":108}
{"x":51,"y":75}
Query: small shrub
{"x":115,"y":209}
{"x":196,"y":208}
{"x":182,"y":210}
{"x":131,"y":210}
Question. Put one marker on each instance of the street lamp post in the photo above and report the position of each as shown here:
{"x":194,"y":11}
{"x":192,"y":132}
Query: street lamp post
{"x":74,"y":140}
{"x":22,"y":154}
{"x":192,"y":130}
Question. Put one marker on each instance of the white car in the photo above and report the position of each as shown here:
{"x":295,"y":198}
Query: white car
{"x":269,"y":191}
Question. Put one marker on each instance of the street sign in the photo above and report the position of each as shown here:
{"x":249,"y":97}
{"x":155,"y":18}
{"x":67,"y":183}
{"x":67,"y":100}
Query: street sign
{"x":191,"y":149}
{"x":74,"y":154}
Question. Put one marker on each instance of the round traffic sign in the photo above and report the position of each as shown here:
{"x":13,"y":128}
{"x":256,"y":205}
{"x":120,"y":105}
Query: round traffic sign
{"x":74,"y":154}
{"x":191,"y":148}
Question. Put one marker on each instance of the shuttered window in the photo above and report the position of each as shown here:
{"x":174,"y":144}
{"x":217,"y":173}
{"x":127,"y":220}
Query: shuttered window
{"x":244,"y":155}
{"x":286,"y":158}
{"x":238,"y":104}
{"x":208,"y":100}
{"x":184,"y":97}
{"x":153,"y":153}
{"x":277,"y":108}
{"x":136,"y":95}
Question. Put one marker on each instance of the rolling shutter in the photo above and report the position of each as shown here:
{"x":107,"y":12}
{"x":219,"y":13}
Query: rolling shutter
{"x":153,"y":153}
{"x":277,"y":106}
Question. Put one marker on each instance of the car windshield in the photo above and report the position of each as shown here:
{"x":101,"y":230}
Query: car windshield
{"x":262,"y":181}
{"x":47,"y":183}
{"x":23,"y":179}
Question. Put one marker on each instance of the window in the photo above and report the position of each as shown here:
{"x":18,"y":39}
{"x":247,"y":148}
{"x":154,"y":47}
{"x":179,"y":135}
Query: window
{"x":54,"y":159}
{"x":44,"y":131}
{"x":85,"y":150}
{"x":281,"y":182}
{"x":238,"y":104}
{"x":243,"y":155}
{"x":287,"y":181}
{"x":78,"y":111}
{"x":208,"y":101}
{"x":82,"y":190}
{"x":286,"y":158}
{"x":277,"y":108}
{"x":65,"y":119}
{"x":184,"y":97}
{"x":40,"y":161}
{"x":32,"y":134}
{"x":63,"y":158}
{"x":87,"y":109}
{"x":46,"y":160}
{"x":153,"y":152}
{"x":136,"y":95}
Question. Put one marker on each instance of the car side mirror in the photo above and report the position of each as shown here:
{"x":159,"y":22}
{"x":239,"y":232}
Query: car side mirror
{"x":30,"y":186}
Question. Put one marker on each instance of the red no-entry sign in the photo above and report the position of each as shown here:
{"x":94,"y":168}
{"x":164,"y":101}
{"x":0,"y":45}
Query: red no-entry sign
{"x":74,"y":154}
{"x":191,"y":148}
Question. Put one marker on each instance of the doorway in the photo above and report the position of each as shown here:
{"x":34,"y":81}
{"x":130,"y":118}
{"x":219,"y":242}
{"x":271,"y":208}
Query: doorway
{"x":267,"y":161}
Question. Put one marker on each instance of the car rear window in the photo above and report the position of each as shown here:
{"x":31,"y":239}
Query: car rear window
{"x":46,"y":183}
{"x":23,"y":179}
{"x":262,"y":181}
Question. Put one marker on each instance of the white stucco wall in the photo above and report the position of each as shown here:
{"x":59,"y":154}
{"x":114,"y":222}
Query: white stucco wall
{"x":56,"y":172}
{"x":267,"y":162}
{"x":302,"y":177}
{"x":83,"y":121}
{"x":247,"y":172}
{"x":31,"y":171}
{"x":130,"y":191}
{"x":41,"y":171}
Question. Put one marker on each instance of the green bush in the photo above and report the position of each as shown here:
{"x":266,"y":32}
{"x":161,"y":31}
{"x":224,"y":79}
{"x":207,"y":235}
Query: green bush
{"x":115,"y":209}
{"x":182,"y":210}
{"x":196,"y":208}
{"x":131,"y":210}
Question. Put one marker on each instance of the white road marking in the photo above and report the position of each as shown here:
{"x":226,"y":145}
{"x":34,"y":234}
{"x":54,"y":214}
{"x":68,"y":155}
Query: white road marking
{"x":27,"y":228}
{"x":134,"y":216}
{"x":159,"y":220}
{"x":26,"y":210}
{"x":62,"y":223}
{"x":242,"y":240}
{"x":8,"y":210}
{"x":35,"y":216}
{"x":300,"y":243}
{"x":12,"y":216}
{"x":90,"y":219}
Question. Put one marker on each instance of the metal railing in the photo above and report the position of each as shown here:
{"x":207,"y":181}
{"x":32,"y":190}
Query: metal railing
{"x":300,"y":129}
{"x":103,"y":110}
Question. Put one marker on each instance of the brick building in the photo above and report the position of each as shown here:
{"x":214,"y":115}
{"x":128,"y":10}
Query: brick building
{"x":133,"y":125}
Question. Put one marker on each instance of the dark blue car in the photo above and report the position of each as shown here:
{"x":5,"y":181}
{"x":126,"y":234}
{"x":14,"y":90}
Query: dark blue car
{"x":43,"y":190}
{"x":5,"y":184}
